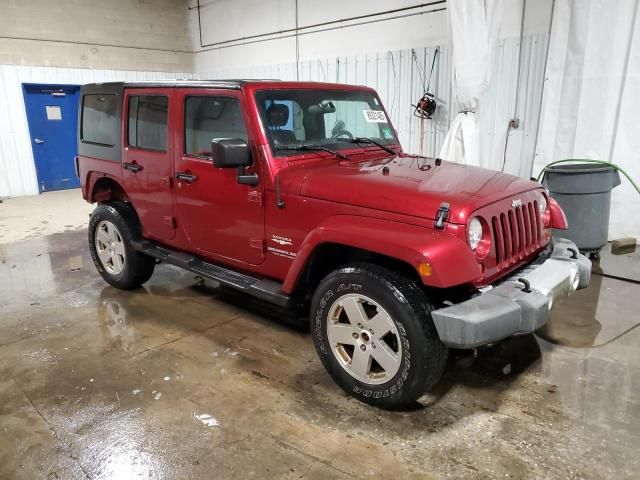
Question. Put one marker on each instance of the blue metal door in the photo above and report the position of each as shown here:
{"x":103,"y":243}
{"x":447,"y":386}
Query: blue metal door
{"x":52,"y":113}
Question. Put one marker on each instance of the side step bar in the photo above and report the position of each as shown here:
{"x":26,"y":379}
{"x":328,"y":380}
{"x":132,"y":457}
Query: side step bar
{"x":264,"y":289}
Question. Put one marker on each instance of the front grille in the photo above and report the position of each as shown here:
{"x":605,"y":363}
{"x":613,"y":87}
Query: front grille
{"x":516,"y":233}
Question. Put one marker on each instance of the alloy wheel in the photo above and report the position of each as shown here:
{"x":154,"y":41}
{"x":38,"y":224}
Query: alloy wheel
{"x":110,"y":247}
{"x":364,"y":339}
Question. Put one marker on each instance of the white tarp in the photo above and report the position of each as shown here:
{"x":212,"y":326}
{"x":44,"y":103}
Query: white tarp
{"x":592,"y":96}
{"x":473,"y":27}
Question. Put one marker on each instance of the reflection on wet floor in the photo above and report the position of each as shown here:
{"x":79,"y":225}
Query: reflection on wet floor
{"x":605,"y":311}
{"x":624,"y":263}
{"x":181,"y":379}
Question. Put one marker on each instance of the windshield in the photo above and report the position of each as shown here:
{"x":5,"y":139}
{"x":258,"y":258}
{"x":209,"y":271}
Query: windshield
{"x":326,"y":118}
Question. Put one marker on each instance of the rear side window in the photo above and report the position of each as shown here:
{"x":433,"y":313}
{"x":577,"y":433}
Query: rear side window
{"x":208,"y":118}
{"x":147,"y":125}
{"x":99,"y":123}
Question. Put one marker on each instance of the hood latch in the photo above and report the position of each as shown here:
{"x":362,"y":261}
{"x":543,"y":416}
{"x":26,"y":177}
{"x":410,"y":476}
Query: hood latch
{"x":442,"y":215}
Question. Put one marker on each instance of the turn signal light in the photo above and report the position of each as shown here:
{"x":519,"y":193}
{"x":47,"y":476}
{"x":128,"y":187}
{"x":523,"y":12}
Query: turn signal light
{"x":425,"y":269}
{"x":557,"y":218}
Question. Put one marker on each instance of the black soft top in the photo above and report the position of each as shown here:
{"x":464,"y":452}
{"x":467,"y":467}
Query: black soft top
{"x":116,"y":89}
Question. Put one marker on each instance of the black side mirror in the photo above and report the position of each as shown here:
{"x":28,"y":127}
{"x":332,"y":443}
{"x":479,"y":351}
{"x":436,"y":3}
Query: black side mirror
{"x":233,"y":153}
{"x":230,"y":153}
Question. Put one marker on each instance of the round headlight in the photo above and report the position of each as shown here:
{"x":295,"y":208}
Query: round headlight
{"x":474,"y":233}
{"x":542,"y":204}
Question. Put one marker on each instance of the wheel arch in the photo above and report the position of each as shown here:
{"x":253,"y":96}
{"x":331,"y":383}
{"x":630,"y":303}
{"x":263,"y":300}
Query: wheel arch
{"x":345,"y":238}
{"x":330,"y":256}
{"x":107,"y":189}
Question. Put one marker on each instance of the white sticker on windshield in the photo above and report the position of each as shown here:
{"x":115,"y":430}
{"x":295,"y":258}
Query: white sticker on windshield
{"x":375,"y":116}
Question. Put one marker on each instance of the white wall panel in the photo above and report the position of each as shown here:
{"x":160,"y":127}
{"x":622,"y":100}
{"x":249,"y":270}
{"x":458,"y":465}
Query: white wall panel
{"x":17,"y":169}
{"x":592,"y":96}
{"x":498,"y":105}
{"x":395,"y":75}
{"x":232,"y":20}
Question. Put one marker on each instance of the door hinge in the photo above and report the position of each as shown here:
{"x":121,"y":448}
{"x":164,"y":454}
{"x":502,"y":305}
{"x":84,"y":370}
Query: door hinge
{"x":257,"y":243}
{"x":170,"y":221}
{"x":255,"y":197}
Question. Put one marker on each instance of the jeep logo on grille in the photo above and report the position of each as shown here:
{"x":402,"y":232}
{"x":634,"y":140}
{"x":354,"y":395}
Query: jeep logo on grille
{"x":516,"y":202}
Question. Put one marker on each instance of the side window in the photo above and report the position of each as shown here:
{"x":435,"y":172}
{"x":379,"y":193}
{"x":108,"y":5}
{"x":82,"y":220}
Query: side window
{"x":147,"y":124}
{"x":99,"y":123}
{"x":208,"y":118}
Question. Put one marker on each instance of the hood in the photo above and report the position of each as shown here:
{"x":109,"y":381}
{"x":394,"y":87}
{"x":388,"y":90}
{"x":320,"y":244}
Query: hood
{"x":413,"y":186}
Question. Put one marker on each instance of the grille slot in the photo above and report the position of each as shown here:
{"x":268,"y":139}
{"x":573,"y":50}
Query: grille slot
{"x":516,"y":233}
{"x":497,"y":235}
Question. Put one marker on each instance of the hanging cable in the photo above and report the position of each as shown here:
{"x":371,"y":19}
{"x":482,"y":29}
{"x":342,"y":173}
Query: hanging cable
{"x":433,"y":64}
{"x":395,"y":82}
{"x":297,"y":45}
{"x":517,"y":100}
{"x":506,"y":145}
{"x":324,"y":74}
{"x":514,"y":121}
{"x":415,"y":60}
{"x":426,"y":106}
{"x":424,"y":89}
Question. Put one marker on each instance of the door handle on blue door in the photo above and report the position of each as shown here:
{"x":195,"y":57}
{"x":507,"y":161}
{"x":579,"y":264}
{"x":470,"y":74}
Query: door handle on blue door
{"x":132,"y":167}
{"x":38,"y":141}
{"x":186,"y":177}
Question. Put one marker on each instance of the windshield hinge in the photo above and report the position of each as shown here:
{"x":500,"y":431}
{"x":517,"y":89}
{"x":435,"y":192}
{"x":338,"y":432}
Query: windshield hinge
{"x":442,"y":215}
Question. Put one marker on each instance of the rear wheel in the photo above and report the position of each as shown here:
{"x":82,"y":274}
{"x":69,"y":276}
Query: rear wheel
{"x":111,"y":230}
{"x":373,"y":332}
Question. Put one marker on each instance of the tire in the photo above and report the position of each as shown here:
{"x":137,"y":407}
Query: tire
{"x":111,"y":230}
{"x":386,"y":300}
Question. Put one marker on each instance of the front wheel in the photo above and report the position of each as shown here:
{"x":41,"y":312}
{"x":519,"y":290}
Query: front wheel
{"x":111,"y":230}
{"x":373,"y":333}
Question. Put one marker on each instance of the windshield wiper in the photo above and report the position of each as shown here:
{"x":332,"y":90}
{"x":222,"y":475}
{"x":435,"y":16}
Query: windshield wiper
{"x":371,"y":141}
{"x":310,"y":148}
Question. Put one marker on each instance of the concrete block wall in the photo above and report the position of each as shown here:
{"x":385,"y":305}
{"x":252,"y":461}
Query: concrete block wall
{"x":142,"y":35}
{"x":76,"y":42}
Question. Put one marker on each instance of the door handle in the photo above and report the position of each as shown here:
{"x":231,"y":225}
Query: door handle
{"x":38,"y":141}
{"x":186,"y":177}
{"x":132,"y":167}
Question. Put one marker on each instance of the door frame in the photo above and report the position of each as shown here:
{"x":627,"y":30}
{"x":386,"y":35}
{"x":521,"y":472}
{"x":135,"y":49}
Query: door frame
{"x":162,"y":229}
{"x":252,"y":195}
{"x":25,"y":91}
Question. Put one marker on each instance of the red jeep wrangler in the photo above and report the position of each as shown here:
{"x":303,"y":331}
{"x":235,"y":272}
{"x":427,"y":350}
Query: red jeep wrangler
{"x":300,"y":194}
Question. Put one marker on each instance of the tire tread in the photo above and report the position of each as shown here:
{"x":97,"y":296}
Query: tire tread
{"x":418,"y":307}
{"x":139,"y":267}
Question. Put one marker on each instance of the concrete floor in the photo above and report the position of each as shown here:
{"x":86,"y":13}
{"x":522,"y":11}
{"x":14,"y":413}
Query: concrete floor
{"x":185,"y":380}
{"x":32,"y":217}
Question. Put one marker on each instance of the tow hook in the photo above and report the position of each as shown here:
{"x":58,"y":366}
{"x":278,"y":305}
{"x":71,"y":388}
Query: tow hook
{"x":527,"y":285}
{"x":442,"y":215}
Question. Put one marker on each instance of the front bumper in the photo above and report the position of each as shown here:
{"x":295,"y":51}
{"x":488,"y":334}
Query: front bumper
{"x":519,"y":304}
